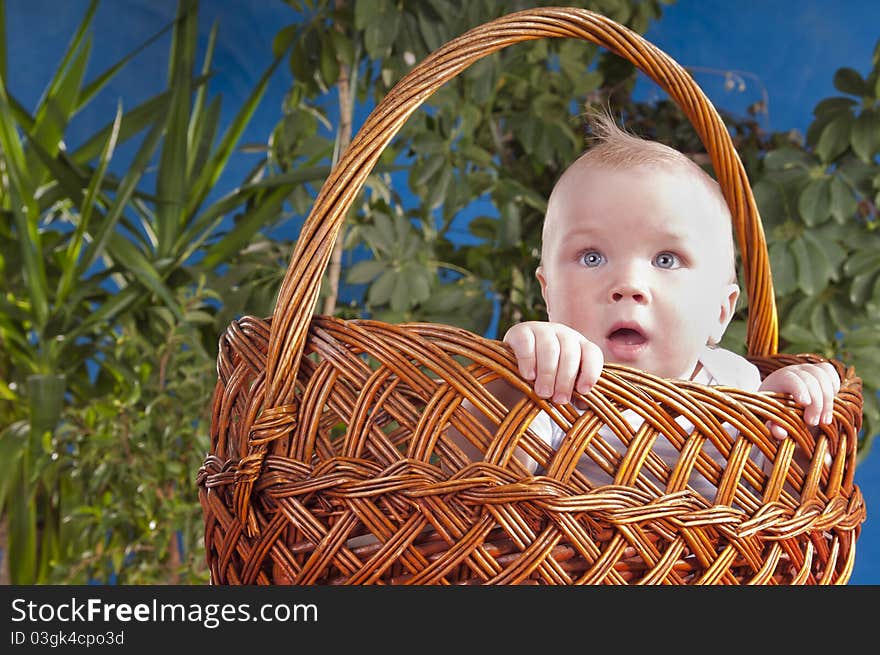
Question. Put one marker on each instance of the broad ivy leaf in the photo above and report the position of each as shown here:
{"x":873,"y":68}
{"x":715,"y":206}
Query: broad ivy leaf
{"x":834,"y":139}
{"x":365,"y":271}
{"x":850,"y":81}
{"x":401,"y":298}
{"x":783,"y":268}
{"x":804,"y":266}
{"x":380,"y":291}
{"x":862,"y":287}
{"x":786,"y":158}
{"x":865,"y":137}
{"x":833,"y":105}
{"x":843,"y":201}
{"x":821,"y":323}
{"x":862,"y":262}
{"x":814,"y":202}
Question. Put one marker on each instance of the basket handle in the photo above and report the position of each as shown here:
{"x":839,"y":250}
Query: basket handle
{"x":298,"y":296}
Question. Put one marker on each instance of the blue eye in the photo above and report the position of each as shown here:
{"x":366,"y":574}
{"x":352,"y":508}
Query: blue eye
{"x":593,"y":258}
{"x":666,"y":260}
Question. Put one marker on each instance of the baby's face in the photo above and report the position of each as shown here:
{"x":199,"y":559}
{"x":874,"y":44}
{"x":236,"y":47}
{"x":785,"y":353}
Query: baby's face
{"x":638,"y":261}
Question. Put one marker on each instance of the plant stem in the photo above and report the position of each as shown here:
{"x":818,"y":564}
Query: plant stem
{"x":343,"y":138}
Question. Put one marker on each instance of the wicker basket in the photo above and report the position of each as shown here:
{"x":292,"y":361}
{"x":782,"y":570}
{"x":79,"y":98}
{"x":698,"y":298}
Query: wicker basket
{"x":327,"y":435}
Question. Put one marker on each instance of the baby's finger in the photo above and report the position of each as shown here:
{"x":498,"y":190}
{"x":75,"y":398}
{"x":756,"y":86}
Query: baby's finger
{"x":777,"y":430}
{"x":567,"y":369}
{"x":813,"y":407}
{"x":828,"y":393}
{"x":547,"y":349}
{"x":833,"y":375}
{"x":521,"y":339}
{"x":592,"y":361}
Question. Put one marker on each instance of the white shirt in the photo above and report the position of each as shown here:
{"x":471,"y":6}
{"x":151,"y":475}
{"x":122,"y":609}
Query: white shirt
{"x":719,"y":367}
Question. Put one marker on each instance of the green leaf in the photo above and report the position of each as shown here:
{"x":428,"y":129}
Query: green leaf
{"x":380,"y":291}
{"x":22,"y":538}
{"x":365,"y":12}
{"x":172,"y":186}
{"x":133,"y":122}
{"x":833,"y":105}
{"x":783,"y":268}
{"x":211,"y":172}
{"x":814,"y":202}
{"x":123,"y":194}
{"x":843,"y":201}
{"x":431,"y":32}
{"x":365,"y":271}
{"x":850,"y":81}
{"x":45,"y":401}
{"x":865,"y":137}
{"x":285,"y":37}
{"x":419,"y":283}
{"x":426,"y":170}
{"x":60,"y":98}
{"x":328,"y":63}
{"x":861,"y":262}
{"x":401,"y":298}
{"x":784,"y":158}
{"x":381,"y":32}
{"x":13,"y":446}
{"x":861,"y":288}
{"x":805,"y":265}
{"x":130,"y":259}
{"x":258,"y":216}
{"x":24,"y":212}
{"x":437,"y":191}
{"x":87,"y":208}
{"x":835,"y":137}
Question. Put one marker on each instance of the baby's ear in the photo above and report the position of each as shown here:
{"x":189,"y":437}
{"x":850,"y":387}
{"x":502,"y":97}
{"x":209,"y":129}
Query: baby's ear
{"x":542,"y":280}
{"x":728,"y":306}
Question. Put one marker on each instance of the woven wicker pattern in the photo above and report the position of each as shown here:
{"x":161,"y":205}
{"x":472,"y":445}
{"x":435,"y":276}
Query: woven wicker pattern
{"x":330,"y":460}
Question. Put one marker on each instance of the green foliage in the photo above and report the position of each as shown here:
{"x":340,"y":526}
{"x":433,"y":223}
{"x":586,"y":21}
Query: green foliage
{"x":86,"y":247}
{"x":128,"y":457}
{"x":114,"y":291}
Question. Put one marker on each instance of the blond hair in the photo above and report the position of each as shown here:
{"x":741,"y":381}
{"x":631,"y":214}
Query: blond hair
{"x":613,"y":148}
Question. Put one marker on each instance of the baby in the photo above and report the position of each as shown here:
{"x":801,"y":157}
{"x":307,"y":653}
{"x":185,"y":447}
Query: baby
{"x":637,"y":268}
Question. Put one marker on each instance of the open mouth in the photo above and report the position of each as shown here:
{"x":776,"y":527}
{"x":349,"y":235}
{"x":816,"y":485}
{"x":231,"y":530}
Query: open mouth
{"x":627,"y":337}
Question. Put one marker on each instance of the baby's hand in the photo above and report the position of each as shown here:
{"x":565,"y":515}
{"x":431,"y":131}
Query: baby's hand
{"x":813,"y":387}
{"x":558,"y":358}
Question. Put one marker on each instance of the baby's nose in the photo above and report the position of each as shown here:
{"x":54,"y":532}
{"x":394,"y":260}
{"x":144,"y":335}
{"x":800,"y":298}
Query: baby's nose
{"x":630,"y":290}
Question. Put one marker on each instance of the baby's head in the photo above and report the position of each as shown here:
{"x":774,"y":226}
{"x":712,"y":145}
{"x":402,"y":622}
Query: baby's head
{"x":637,"y":253}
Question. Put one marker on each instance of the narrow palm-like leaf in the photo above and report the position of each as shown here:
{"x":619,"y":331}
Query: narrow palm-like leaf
{"x":59,"y":100}
{"x":240,"y":235}
{"x":132,"y":260}
{"x":200,"y":151}
{"x":197,"y":124}
{"x":212,"y":171}
{"x":25,"y":213}
{"x":67,"y":180}
{"x":133,"y":122}
{"x":108,"y":310}
{"x":126,"y":187}
{"x":11,"y":440}
{"x":210,"y":219}
{"x":20,"y":114}
{"x":22,"y":516}
{"x":71,"y":256}
{"x":171,"y":182}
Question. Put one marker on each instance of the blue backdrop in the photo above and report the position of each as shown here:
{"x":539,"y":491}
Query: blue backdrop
{"x":784,"y":53}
